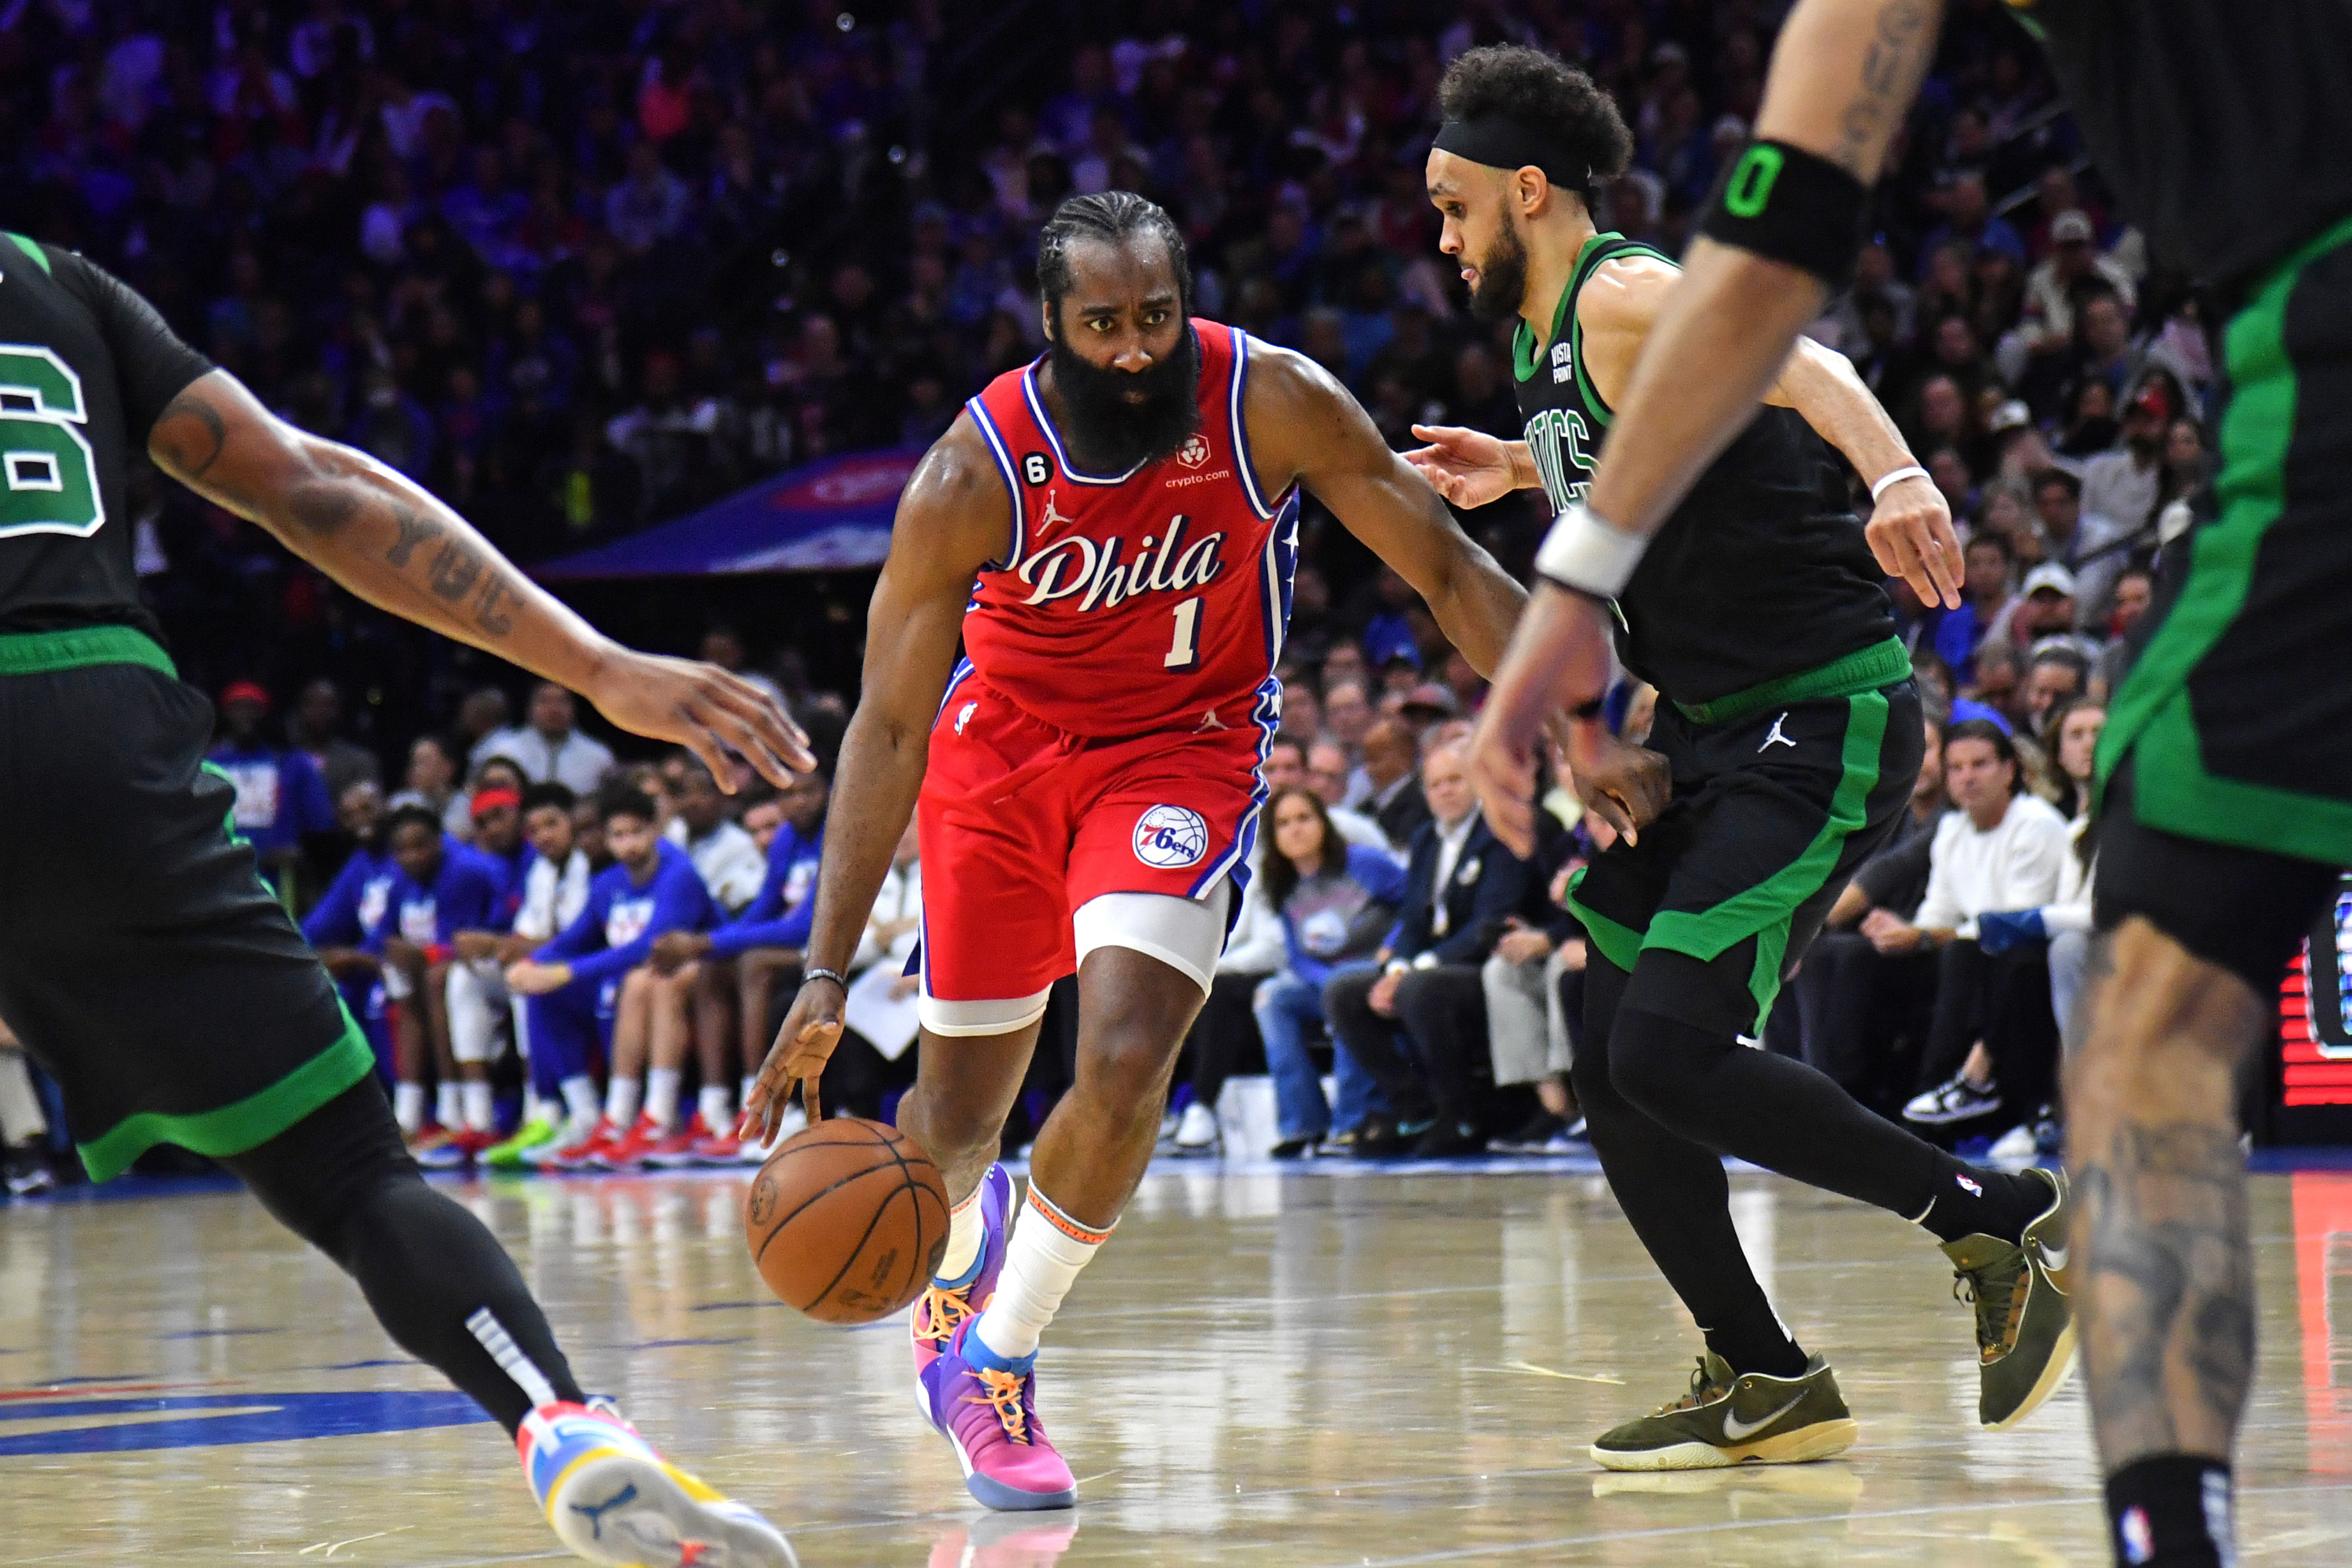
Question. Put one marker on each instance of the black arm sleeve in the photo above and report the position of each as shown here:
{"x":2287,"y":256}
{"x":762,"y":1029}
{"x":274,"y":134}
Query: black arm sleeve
{"x":155,"y":365}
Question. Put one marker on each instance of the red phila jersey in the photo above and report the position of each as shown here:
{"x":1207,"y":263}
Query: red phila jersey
{"x":1153,"y":599}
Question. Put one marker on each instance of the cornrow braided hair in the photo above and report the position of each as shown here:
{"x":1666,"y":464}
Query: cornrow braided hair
{"x":1109,"y":217}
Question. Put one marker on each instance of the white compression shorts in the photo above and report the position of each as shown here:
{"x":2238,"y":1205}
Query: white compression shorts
{"x":1185,"y":934}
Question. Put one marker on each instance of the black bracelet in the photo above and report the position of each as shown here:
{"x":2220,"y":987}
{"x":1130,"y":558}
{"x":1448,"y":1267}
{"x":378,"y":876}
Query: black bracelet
{"x":818,"y":974}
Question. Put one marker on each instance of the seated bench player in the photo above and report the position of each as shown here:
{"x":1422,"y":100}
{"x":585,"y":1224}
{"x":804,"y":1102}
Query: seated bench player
{"x":442,"y":887}
{"x":338,"y":926}
{"x":574,"y":981}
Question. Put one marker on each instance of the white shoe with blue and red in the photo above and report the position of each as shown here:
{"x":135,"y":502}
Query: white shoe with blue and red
{"x":943,"y":1309}
{"x":989,"y":1412}
{"x":615,"y":1501}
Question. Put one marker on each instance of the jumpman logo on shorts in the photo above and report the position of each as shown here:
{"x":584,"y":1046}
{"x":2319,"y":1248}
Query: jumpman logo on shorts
{"x":1776,"y":737}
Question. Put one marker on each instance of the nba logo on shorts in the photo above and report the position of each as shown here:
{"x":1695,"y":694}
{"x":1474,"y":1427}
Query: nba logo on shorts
{"x":1171,"y":837}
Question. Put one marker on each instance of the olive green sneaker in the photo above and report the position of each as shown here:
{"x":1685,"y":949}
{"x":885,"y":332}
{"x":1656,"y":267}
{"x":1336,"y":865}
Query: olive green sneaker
{"x":2025,"y":1324}
{"x":1728,"y":1419}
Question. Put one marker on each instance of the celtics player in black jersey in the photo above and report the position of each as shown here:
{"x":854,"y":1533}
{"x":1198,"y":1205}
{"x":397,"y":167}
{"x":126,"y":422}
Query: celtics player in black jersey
{"x":143,"y":963}
{"x":2225,"y":772}
{"x":1788,"y":738}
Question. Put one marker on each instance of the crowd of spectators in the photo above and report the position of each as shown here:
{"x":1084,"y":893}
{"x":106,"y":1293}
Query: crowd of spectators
{"x":581,"y":266}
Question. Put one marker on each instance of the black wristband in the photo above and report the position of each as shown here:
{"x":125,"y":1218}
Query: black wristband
{"x":819,"y":973}
{"x":1792,"y":206}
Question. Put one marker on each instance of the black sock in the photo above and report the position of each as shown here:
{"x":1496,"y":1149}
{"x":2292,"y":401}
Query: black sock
{"x":438,"y":1280}
{"x":1763,"y":1347}
{"x":1970,"y":1201}
{"x":2171,"y":1511}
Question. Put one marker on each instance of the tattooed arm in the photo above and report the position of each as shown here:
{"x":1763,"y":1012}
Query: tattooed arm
{"x":388,"y":540}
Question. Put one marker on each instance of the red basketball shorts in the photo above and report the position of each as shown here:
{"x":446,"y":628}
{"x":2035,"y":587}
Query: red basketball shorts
{"x":1035,"y":840}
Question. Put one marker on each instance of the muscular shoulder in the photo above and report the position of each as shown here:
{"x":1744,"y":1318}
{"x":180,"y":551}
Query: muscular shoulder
{"x":1623,"y":294}
{"x":956,"y":503}
{"x":1295,"y":411}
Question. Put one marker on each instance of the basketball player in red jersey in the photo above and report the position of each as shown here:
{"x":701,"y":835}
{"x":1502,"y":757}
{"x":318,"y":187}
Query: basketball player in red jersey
{"x":1111,"y":532}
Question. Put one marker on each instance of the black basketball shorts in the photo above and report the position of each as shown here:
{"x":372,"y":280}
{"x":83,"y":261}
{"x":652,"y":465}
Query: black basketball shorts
{"x":142,"y":961}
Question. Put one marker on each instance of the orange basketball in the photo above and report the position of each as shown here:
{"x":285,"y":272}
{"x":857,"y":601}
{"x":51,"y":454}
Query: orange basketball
{"x":847,"y":1221}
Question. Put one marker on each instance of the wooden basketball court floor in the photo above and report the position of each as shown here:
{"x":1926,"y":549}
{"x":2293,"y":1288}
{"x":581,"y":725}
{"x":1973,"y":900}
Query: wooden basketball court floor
{"x":1335,"y":1369}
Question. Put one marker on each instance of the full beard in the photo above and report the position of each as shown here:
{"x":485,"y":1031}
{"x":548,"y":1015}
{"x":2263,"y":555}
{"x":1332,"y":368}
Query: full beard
{"x":1502,"y":278}
{"x":1121,"y":420}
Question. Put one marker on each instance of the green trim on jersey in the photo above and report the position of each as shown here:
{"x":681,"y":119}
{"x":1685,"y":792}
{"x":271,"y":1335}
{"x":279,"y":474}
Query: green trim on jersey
{"x":1526,"y":354}
{"x":2173,"y":790}
{"x":246,"y":1125}
{"x":33,"y":249}
{"x":1766,"y":910}
{"x":1594,"y":403}
{"x":1864,"y":670}
{"x":39,"y":652}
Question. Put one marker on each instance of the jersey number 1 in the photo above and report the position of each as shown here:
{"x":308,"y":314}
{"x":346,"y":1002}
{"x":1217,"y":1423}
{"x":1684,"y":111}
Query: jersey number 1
{"x":50,"y":473}
{"x":1184,"y":651}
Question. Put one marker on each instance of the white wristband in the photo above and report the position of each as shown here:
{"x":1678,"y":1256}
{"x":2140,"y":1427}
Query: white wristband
{"x":1888,"y":481}
{"x":1589,"y":555}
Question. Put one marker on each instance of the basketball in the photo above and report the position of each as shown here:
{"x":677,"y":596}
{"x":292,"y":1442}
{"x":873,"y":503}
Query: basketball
{"x":848,"y":1220}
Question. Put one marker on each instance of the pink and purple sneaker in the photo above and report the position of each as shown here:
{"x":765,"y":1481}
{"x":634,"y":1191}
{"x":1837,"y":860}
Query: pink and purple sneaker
{"x":943,"y":1309}
{"x":990,"y":1413}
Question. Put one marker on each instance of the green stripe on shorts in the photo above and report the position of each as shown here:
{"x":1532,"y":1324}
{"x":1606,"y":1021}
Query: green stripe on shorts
{"x":246,"y":1125}
{"x":1620,"y":945}
{"x":1765,"y":910}
{"x":2172,"y":790}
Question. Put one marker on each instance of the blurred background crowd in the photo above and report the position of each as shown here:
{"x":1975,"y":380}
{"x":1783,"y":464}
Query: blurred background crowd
{"x":580,"y":268}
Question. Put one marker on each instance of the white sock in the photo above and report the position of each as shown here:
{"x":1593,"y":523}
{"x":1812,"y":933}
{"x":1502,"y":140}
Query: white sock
{"x":446,"y":1109}
{"x":533,"y":1107}
{"x":964,"y":1236}
{"x":661,"y":1095}
{"x":481,"y":1111}
{"x":621,"y":1101}
{"x":580,"y":1099}
{"x":1047,"y":1250}
{"x":744,"y":1095}
{"x":409,"y":1106}
{"x":716,"y":1111}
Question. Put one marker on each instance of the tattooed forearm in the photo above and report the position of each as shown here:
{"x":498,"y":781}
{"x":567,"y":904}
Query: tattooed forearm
{"x":191,"y":434}
{"x":2164,"y":1213}
{"x":1903,"y":38}
{"x":414,"y":531}
{"x":454,"y":570}
{"x":489,"y":611}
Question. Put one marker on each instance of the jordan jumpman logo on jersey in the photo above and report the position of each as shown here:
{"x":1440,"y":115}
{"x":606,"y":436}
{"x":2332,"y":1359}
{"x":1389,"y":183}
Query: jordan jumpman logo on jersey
{"x":1051,"y":516}
{"x":1776,"y":739}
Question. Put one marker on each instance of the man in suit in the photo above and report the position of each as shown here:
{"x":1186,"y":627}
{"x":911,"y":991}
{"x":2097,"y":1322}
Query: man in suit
{"x":1460,"y":887}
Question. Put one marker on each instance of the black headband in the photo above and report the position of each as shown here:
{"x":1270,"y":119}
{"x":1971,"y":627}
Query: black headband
{"x":1499,"y":142}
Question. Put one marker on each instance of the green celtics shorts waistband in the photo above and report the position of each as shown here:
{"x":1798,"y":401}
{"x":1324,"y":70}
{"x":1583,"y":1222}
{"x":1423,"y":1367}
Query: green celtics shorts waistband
{"x":1864,"y":670}
{"x":38,"y":652}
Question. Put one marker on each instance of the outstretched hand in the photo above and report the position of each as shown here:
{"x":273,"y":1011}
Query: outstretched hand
{"x":1468,"y":468}
{"x":703,"y":708}
{"x":804,"y":1045}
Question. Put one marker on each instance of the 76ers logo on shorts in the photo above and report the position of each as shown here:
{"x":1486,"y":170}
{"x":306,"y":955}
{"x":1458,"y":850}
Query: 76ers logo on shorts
{"x":1171,"y":837}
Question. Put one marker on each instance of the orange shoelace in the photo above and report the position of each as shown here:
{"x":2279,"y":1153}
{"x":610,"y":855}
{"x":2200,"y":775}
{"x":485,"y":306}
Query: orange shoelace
{"x":944,"y":1311}
{"x":1001,"y":1391}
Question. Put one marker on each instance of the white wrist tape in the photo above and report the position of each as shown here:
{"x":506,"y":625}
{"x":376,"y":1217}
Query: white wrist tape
{"x":1589,"y":555}
{"x":1888,"y":481}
